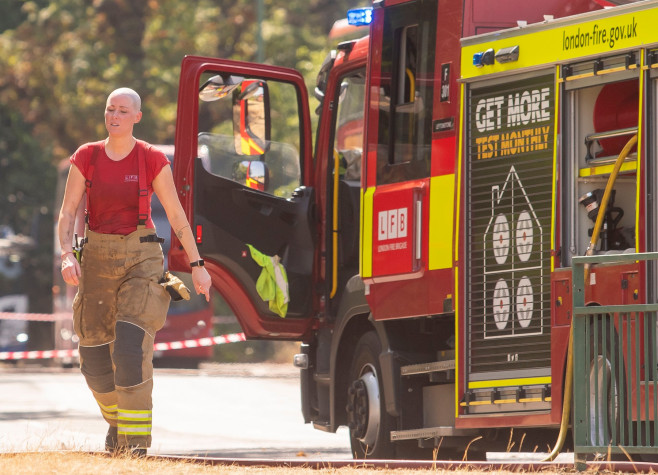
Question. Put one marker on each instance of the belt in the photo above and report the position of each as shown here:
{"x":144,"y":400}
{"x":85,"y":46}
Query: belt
{"x":151,"y":238}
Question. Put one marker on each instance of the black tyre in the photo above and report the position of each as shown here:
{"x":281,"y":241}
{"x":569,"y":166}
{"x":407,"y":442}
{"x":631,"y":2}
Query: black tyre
{"x":370,"y":425}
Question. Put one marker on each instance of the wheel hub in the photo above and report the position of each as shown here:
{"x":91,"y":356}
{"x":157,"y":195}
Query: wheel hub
{"x":363,"y":409}
{"x":357,"y":408}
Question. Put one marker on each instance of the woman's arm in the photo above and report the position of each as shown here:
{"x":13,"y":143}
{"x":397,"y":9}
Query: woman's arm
{"x":164,"y":188}
{"x":75,"y":189}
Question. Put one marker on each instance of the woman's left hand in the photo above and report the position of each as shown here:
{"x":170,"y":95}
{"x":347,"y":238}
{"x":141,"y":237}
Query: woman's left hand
{"x":202,"y":281}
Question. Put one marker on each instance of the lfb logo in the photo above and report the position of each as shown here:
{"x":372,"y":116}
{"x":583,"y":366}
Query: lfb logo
{"x":392,"y":224}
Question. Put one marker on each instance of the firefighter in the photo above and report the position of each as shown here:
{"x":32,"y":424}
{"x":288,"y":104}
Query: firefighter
{"x":120,"y":303}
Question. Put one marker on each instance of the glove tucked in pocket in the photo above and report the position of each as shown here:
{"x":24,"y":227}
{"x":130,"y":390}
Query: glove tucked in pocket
{"x":77,"y":248}
{"x":174,"y":286}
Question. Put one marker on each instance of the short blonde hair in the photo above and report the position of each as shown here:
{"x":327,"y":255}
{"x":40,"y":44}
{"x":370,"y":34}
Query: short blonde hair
{"x":126,"y":91}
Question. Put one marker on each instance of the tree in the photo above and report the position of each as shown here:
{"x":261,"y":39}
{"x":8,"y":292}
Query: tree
{"x":12,"y":15}
{"x":27,"y":181}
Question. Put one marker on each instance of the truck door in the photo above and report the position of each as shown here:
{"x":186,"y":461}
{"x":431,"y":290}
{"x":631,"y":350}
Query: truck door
{"x":242,"y":170}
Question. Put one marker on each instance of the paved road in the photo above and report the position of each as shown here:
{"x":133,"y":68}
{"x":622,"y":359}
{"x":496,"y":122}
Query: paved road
{"x":250,"y":411}
{"x":224,"y":411}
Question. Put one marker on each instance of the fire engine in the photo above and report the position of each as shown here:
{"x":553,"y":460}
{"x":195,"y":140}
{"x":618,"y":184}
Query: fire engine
{"x":424,"y":242}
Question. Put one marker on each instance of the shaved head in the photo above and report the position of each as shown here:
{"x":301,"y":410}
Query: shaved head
{"x":126,"y":91}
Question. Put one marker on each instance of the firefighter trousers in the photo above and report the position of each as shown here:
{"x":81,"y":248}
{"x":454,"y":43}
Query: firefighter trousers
{"x":116,"y":312}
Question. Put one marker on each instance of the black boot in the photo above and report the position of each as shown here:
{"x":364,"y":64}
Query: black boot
{"x":112,"y":440}
{"x":137,"y":452}
{"x":133,"y":451}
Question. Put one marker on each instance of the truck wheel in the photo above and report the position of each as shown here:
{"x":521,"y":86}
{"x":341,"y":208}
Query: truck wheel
{"x":370,"y":425}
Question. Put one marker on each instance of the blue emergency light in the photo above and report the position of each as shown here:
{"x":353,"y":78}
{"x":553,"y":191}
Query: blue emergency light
{"x":485,"y":58}
{"x":359,"y":16}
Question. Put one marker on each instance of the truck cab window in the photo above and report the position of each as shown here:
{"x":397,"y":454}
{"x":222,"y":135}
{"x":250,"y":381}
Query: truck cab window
{"x":405,"y":100}
{"x":347,"y":151}
{"x":249,"y":132}
{"x":408,"y":100}
{"x":348,"y":134}
{"x":407,"y":68}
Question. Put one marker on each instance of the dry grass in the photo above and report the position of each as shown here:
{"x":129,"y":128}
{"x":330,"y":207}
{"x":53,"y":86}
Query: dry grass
{"x":94,"y":464}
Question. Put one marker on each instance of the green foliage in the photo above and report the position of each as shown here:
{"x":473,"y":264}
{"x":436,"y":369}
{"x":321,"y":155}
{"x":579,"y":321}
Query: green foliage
{"x":12,"y":15}
{"x":27,"y":181}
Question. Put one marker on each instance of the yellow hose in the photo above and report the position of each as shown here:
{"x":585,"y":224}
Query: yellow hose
{"x":568,"y":379}
{"x":566,"y":405}
{"x":604,"y":201}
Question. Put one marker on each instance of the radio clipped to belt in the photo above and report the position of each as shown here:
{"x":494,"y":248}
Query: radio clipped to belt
{"x":174,"y":286}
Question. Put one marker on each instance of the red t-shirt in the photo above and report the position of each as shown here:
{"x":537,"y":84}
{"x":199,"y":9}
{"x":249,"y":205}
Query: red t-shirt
{"x":114,"y":194}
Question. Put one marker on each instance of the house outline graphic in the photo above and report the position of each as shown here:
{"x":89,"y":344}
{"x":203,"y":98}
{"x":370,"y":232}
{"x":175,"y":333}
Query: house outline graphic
{"x":514,"y":301}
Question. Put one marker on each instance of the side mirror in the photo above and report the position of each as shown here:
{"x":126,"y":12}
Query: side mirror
{"x":251,"y":118}
{"x":218,"y":87}
{"x":257,"y":175}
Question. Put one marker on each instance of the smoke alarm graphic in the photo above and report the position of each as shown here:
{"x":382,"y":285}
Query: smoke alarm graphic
{"x":501,"y":304}
{"x":513,"y":273}
{"x":501,"y":239}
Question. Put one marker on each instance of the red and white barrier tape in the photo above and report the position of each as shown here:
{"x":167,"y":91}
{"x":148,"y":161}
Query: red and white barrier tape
{"x":172,"y":345}
{"x":37,"y":355}
{"x":216,"y":340}
{"x":38,"y":317}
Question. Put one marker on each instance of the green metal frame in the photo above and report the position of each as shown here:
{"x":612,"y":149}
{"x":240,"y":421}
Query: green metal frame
{"x":607,"y":388}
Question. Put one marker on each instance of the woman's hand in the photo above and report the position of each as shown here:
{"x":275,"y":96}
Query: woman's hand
{"x":202,"y":281}
{"x":70,"y":269}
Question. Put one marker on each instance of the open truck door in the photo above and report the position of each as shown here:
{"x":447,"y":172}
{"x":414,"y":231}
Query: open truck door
{"x":242,"y":169}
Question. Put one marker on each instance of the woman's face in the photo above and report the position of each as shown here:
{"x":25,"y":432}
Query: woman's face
{"x":121,"y":115}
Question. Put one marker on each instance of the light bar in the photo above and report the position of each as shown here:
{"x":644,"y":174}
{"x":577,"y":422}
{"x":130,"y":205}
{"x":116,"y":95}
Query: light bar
{"x":359,"y":16}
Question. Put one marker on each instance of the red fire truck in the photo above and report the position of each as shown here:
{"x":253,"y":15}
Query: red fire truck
{"x":461,"y":154}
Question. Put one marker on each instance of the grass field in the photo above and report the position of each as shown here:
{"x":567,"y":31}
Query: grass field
{"x":81,"y":463}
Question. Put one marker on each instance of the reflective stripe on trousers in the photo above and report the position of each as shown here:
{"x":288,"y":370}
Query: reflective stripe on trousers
{"x":134,"y":423}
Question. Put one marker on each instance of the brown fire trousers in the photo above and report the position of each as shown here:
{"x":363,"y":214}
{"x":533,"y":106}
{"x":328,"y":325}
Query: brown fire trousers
{"x":116,"y":312}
